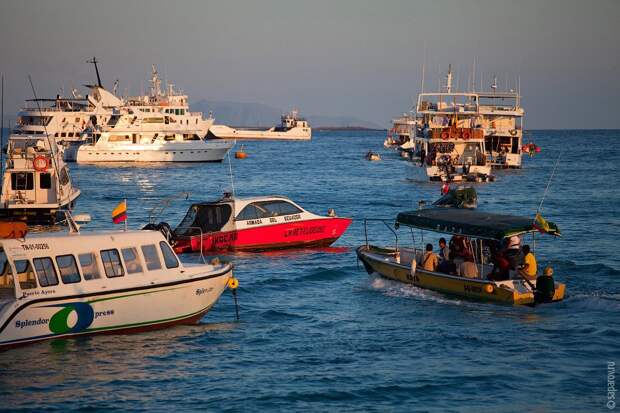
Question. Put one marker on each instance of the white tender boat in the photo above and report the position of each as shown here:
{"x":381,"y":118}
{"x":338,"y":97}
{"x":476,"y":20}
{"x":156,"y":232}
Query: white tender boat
{"x":36,"y":184}
{"x":71,"y":284}
{"x":292,"y":127}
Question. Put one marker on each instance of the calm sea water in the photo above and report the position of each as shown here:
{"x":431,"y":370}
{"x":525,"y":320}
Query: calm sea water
{"x":318,"y":334}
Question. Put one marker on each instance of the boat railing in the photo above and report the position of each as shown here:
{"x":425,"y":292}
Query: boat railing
{"x":202,"y":257}
{"x":386,"y":222}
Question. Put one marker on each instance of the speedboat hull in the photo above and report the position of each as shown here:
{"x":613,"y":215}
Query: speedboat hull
{"x":320,"y":232}
{"x":396,"y":266}
{"x":128,"y":310}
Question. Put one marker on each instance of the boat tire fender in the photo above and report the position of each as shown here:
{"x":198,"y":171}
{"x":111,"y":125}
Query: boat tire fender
{"x":445,"y":135}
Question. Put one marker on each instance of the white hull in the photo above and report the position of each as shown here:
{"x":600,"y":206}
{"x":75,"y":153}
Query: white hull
{"x":200,"y":151}
{"x":137,"y":308}
{"x":434,"y":173}
{"x":226,"y":132}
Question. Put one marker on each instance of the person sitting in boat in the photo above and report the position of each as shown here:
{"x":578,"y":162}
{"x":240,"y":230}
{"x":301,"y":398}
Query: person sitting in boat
{"x":444,"y":251}
{"x":528,"y":268}
{"x":429,"y":260}
{"x":468,"y":268}
{"x":460,"y":246}
{"x":501,"y":268}
{"x":447,"y":265}
{"x":513,"y":251}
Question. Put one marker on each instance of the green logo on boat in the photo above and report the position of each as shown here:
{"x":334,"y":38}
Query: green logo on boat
{"x":59,"y":323}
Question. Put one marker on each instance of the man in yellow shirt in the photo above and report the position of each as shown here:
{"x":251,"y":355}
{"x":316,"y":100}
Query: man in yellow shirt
{"x":430,"y":260}
{"x":529,"y":268}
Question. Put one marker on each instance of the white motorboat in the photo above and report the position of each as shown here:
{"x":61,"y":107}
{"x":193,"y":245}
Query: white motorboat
{"x":292,"y":127}
{"x":36,"y":184}
{"x":71,"y":284}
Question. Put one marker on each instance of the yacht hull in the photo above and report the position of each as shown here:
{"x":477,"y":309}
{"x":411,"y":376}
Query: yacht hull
{"x":140,"y":308}
{"x":225,"y":132}
{"x":209,"y":152}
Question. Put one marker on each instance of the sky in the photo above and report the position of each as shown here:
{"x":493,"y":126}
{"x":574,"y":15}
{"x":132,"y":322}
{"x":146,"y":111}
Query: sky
{"x":326,"y":57}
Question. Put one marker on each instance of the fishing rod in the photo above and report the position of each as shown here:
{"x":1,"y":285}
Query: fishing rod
{"x":557,"y":161}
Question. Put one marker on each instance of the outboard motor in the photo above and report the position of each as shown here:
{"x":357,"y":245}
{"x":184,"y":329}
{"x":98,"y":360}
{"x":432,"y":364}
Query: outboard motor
{"x":164,"y":228}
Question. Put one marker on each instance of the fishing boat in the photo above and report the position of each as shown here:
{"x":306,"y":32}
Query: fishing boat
{"x":255,"y":224}
{"x":480,"y":232}
{"x":292,"y":127}
{"x":36,"y":184}
{"x":65,"y":285}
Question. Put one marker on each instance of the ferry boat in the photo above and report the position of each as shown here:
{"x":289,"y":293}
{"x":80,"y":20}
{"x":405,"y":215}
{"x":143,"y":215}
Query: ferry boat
{"x":125,"y":145}
{"x":36,"y":184}
{"x":480,"y":231}
{"x":255,"y":224}
{"x":292,"y":127}
{"x":489,"y":123}
{"x":72,"y":284}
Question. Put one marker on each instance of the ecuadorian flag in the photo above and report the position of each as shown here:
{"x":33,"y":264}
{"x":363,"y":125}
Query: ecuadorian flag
{"x":120,"y":212}
{"x":541,"y":224}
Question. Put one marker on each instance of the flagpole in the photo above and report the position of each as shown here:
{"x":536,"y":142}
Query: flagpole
{"x":126,"y":217}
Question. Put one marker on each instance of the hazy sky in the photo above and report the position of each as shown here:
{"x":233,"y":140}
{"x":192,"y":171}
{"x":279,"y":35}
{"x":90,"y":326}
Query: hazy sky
{"x":353,"y":58}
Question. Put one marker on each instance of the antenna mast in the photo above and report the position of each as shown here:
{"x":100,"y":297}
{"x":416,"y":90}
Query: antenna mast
{"x":94,"y":61}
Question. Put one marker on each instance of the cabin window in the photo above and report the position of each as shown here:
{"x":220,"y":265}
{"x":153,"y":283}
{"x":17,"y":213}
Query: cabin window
{"x":169,"y":258}
{"x":119,"y":138}
{"x":132,"y":262}
{"x":6,"y":276}
{"x":112,"y":263}
{"x":64,"y":176}
{"x":45,"y":180}
{"x":68,"y":269}
{"x":150,"y":256}
{"x":25,"y":275}
{"x":88,"y":263}
{"x":46,"y":273}
{"x":22,"y":181}
{"x":63,"y":135}
{"x":250,"y":212}
{"x":276,"y":208}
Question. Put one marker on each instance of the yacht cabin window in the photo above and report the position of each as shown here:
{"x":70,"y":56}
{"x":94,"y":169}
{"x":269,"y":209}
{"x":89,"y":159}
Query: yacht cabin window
{"x":46,"y":273}
{"x":45,"y":180}
{"x":25,"y":275}
{"x":112,"y":263}
{"x":6,"y":276}
{"x":132,"y":262}
{"x":151,"y":257}
{"x":88,"y":263}
{"x":169,"y":258}
{"x":68,"y":269}
{"x":64,"y":176}
{"x":22,"y":181}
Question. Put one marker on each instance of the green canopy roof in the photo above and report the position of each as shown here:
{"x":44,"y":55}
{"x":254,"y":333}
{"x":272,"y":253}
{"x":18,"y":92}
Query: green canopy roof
{"x":470,"y":222}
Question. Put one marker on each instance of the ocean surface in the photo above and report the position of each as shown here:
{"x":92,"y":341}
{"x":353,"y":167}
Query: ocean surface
{"x":317,"y":333}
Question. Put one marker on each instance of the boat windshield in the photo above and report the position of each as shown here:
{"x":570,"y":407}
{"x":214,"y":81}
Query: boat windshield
{"x":209,"y":218}
{"x":7,"y":283}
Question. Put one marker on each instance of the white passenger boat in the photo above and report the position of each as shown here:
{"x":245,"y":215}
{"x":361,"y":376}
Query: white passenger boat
{"x":292,"y":127}
{"x":36,"y":184}
{"x":72,"y":284}
{"x":125,"y":146}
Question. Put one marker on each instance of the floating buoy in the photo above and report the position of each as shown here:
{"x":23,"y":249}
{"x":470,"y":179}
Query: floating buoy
{"x":233,"y":283}
{"x":240,"y":154}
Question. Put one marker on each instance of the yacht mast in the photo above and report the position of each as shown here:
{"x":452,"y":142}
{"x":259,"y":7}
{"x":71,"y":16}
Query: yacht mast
{"x":94,"y":61}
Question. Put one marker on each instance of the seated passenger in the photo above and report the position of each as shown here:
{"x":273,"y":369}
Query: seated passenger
{"x":512,"y":251}
{"x":444,"y":251}
{"x":468,"y":268}
{"x":501,"y":268}
{"x":447,"y":266}
{"x":528,"y":269}
{"x":429,"y":260}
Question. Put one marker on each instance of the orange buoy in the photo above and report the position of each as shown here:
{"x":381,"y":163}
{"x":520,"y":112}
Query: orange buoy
{"x":240,"y":154}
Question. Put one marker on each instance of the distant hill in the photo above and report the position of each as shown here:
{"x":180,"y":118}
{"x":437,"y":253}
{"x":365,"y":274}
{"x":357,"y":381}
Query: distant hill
{"x":258,"y":114}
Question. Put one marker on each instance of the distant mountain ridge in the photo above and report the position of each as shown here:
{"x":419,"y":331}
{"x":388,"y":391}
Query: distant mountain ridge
{"x":259,"y":114}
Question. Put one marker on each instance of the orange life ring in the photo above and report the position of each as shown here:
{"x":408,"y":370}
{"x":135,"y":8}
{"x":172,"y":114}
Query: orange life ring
{"x":466,"y":134}
{"x":445,"y":135}
{"x":41,"y":163}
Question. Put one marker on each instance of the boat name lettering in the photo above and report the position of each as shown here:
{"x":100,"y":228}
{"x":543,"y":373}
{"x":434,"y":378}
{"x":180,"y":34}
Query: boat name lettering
{"x":295,"y":232}
{"x":472,"y":288}
{"x":273,"y":220}
{"x":254,"y":222}
{"x":40,"y":246}
{"x":201,"y":291}
{"x":103,"y":313}
{"x":292,"y":217}
{"x":225,"y":238}
{"x":30,"y":323}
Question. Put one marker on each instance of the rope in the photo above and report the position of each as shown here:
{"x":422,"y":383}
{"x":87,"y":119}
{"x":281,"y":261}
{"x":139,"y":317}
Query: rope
{"x":548,"y":184}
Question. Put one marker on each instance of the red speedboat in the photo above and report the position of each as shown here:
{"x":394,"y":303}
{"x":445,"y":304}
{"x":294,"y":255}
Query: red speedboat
{"x":255,"y":224}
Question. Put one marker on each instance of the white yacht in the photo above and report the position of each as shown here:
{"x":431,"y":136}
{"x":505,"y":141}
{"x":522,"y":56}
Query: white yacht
{"x":493,"y":118}
{"x":292,"y":127}
{"x":36,"y":184}
{"x":64,"y":285}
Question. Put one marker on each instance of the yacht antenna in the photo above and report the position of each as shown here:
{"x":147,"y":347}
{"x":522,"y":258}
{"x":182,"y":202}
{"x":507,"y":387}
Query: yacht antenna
{"x":94,"y":61}
{"x":52,"y":147}
{"x":494,"y":84}
{"x":449,"y":80}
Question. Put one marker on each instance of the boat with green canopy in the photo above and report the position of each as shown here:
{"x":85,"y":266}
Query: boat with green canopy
{"x":481,"y":235}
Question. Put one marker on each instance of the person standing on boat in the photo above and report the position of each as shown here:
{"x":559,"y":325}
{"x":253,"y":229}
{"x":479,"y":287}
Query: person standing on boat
{"x":513,"y":248}
{"x":529,"y":267}
{"x":430,"y":260}
{"x":422,"y":157}
{"x":444,"y":251}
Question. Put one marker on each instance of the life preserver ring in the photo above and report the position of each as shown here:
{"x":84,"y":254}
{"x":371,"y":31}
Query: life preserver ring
{"x":445,"y":135}
{"x":513,"y":132}
{"x":525,"y":148}
{"x":466,"y":135}
{"x":41,"y":163}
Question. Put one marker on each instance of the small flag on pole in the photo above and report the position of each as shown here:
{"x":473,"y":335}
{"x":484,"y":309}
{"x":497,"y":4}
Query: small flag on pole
{"x":541,"y":224}
{"x":120,"y":212}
